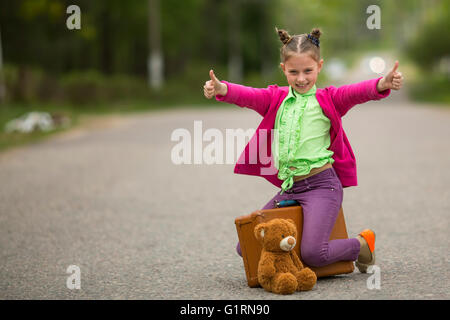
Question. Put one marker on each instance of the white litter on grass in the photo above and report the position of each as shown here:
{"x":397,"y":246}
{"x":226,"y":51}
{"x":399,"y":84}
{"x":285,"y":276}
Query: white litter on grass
{"x":31,"y":121}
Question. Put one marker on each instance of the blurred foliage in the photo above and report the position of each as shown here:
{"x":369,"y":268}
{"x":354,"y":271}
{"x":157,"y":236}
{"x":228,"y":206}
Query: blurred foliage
{"x":436,"y":88}
{"x":106,"y":60}
{"x":431,"y":43}
{"x":30,"y":85}
{"x":102,"y":68}
{"x":429,"y":48}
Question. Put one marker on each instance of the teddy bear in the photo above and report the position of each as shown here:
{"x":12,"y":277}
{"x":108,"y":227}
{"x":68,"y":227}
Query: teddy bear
{"x":280,"y":269}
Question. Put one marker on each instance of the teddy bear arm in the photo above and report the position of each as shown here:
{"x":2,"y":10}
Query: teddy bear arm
{"x":267,"y":266}
{"x":296,"y":260}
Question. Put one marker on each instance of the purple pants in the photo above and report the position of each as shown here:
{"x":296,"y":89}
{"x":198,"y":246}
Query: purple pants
{"x":321,"y":198}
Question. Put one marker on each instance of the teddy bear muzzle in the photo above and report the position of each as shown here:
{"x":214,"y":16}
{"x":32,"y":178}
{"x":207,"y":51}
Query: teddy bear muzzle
{"x":288,"y":243}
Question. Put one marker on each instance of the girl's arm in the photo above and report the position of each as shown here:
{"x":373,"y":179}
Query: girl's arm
{"x":347,"y":96}
{"x":256,"y":99}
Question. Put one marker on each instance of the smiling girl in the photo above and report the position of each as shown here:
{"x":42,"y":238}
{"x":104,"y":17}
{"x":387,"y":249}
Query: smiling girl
{"x":310,"y":150}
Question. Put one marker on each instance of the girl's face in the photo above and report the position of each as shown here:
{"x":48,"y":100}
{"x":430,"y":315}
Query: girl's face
{"x":301,"y":71}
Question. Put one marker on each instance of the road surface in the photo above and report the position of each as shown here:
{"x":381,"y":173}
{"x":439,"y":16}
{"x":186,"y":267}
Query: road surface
{"x":110,"y":200}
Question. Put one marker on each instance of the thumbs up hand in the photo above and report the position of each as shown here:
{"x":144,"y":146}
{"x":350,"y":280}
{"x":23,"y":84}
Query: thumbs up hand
{"x":393,"y":80}
{"x":214,"y":87}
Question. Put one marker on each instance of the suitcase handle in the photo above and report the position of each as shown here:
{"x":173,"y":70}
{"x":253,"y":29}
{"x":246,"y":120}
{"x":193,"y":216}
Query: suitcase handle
{"x":285,"y":203}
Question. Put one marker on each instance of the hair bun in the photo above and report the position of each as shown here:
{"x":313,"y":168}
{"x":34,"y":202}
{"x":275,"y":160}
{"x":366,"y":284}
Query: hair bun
{"x":284,"y":36}
{"x":316,"y":33}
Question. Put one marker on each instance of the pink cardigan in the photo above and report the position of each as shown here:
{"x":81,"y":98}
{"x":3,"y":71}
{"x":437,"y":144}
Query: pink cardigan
{"x":335,"y":103}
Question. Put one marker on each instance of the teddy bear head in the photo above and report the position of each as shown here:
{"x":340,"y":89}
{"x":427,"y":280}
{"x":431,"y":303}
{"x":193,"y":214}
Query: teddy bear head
{"x":277,"y":235}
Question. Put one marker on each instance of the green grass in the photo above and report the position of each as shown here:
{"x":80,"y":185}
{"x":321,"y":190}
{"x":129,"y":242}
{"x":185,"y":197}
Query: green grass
{"x":436,"y":89}
{"x":425,"y":86}
{"x":76,"y":115}
{"x":12,"y":111}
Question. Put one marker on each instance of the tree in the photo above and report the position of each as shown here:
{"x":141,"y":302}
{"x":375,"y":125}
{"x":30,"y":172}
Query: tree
{"x":431,"y":43}
{"x":235,"y":55}
{"x":155,"y":59}
{"x":267,"y":34}
{"x":2,"y":84}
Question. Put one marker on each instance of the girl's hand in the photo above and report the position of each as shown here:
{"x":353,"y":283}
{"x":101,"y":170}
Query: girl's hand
{"x":214,"y":87}
{"x":393,"y":80}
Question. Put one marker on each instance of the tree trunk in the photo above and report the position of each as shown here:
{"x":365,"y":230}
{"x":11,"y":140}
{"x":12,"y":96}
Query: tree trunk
{"x":2,"y":83}
{"x":266,"y":33}
{"x":212,"y":38}
{"x":105,"y":36}
{"x":235,"y":55}
{"x":155,"y":63}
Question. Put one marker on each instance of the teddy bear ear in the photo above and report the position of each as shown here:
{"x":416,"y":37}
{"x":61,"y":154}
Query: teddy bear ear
{"x":259,"y":231}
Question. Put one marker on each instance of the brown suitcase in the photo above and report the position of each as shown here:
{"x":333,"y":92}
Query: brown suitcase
{"x":251,"y":248}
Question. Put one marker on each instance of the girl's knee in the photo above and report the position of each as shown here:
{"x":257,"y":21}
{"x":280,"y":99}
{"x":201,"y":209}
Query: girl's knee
{"x":315,"y":256}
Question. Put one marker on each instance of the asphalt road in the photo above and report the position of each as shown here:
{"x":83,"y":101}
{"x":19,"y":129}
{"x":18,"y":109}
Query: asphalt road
{"x":109,"y":200}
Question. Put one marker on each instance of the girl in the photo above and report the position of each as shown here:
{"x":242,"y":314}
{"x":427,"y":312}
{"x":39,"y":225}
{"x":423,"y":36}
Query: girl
{"x":310,"y":150}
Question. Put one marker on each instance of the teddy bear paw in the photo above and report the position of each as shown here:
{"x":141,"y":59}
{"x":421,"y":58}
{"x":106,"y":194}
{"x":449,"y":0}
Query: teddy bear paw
{"x":284,"y":283}
{"x":306,"y":279}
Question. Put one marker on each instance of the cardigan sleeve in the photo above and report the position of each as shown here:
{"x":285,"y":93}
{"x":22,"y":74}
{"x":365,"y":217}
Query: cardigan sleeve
{"x":257,"y":99}
{"x":347,"y":96}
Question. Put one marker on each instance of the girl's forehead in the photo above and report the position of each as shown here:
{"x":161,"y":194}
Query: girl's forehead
{"x":300,"y":60}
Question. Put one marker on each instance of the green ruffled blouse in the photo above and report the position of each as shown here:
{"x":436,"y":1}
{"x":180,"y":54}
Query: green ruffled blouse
{"x":301,"y":137}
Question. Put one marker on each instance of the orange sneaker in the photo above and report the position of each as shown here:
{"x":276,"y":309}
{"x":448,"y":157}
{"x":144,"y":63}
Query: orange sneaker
{"x":366,"y":256}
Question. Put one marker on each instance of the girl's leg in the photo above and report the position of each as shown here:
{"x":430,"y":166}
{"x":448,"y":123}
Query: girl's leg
{"x":321,"y":199}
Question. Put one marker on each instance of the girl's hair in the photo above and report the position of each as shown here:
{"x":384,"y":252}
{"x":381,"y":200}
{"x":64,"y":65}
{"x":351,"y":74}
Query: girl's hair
{"x":299,"y":43}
